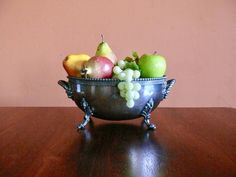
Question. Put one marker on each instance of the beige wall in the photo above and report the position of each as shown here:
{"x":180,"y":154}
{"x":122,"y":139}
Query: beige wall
{"x":196,"y":36}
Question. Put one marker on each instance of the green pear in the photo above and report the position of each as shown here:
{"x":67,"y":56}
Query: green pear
{"x":104,"y":50}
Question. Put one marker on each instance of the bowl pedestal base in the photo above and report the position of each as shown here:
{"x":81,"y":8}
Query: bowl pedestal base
{"x":146,"y":113}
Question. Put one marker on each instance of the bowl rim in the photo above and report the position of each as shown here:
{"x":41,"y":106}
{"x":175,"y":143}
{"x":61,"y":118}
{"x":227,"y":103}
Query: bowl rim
{"x":114,"y":80}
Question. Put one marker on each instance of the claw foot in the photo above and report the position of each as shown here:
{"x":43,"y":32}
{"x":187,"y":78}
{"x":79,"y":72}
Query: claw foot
{"x":146,"y":113}
{"x":87,"y":116}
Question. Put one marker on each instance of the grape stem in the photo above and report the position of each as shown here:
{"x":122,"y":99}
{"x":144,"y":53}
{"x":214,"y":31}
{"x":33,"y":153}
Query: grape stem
{"x":102,"y":37}
{"x":155,"y":52}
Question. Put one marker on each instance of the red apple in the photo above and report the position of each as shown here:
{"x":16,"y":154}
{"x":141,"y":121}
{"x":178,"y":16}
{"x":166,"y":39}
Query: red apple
{"x":98,"y":67}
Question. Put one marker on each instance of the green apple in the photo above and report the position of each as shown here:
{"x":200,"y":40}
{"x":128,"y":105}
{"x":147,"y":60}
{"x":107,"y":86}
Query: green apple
{"x":152,"y":65}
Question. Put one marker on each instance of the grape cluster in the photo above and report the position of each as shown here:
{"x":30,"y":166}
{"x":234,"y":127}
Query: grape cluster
{"x":128,"y":89}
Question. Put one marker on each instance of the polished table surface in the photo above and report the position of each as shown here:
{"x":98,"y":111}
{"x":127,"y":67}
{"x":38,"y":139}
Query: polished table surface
{"x":188,"y":142}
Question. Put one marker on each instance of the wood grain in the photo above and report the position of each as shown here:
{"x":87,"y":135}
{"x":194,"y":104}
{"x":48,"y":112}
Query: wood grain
{"x":191,"y":142}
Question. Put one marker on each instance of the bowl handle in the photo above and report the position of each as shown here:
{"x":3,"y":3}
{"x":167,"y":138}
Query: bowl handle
{"x":169,"y":85}
{"x":67,"y":87}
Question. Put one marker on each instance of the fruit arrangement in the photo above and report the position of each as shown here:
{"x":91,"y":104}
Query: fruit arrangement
{"x":105,"y":64}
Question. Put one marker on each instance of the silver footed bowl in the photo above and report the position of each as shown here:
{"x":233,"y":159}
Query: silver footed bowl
{"x":100,"y":98}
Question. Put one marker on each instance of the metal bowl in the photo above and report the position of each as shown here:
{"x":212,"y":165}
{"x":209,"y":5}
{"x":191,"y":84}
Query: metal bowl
{"x":100,"y":98}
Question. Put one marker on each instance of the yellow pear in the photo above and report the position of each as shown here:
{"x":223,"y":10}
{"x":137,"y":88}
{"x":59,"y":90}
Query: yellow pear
{"x":74,"y":63}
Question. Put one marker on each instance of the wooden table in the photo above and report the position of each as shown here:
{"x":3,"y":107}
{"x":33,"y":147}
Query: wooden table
{"x":189,"y":142}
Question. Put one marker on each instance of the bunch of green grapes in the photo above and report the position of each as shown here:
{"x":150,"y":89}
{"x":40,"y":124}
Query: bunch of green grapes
{"x":126,"y":72}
